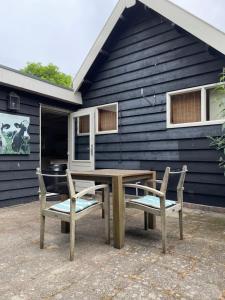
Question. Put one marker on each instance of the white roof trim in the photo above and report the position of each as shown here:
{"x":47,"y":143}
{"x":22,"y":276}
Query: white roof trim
{"x":16,"y":79}
{"x":130,"y":3}
{"x":101,"y":39}
{"x":199,"y":28}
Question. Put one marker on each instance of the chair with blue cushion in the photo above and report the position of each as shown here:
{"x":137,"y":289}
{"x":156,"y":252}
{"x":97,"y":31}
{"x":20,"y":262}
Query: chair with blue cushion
{"x":73,"y":208}
{"x":154,"y":201}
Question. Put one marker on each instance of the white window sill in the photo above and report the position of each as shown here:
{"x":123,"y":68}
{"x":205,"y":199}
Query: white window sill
{"x":98,"y":133}
{"x":195,"y":124}
{"x":83,"y":134}
{"x":106,"y":132}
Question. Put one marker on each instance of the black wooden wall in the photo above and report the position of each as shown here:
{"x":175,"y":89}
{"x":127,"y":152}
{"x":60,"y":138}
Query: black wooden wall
{"x":147,"y":51}
{"x":18,"y":181}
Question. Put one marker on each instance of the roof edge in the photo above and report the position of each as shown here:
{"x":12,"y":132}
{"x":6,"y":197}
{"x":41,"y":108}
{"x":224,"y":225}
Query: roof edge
{"x":16,"y":79}
{"x":130,"y":3}
{"x":101,"y":39}
{"x":189,"y":22}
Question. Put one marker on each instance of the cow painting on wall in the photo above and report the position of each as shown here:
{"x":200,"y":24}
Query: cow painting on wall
{"x":14,"y":135}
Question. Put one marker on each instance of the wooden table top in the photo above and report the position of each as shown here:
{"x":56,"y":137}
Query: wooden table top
{"x":113,"y":173}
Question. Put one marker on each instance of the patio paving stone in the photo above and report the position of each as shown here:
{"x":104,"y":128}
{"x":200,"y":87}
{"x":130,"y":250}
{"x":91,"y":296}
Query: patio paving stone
{"x":191,"y":269}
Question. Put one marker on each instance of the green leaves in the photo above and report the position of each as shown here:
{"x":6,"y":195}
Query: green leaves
{"x":50,"y":73}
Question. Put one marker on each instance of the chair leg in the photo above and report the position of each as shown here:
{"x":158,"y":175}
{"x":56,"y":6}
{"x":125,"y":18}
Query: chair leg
{"x":42,"y":231}
{"x":145,"y":221}
{"x":106,"y":205}
{"x":72,"y":239}
{"x":181,"y":224}
{"x":163,"y":224}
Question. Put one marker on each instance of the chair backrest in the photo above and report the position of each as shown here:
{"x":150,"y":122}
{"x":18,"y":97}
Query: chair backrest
{"x":42,"y":186}
{"x":183,"y":173}
{"x":71,"y":185}
{"x":180,"y":185}
{"x":165,"y":180}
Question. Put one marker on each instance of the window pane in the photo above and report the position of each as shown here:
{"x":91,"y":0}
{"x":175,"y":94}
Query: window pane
{"x":84,"y":124}
{"x":81,"y":142}
{"x":186,"y":108}
{"x":215,"y":104}
{"x":107,"y":118}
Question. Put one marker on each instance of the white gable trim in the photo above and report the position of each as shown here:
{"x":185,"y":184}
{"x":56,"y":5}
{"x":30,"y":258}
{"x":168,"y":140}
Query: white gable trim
{"x":101,"y":39}
{"x":130,"y":3}
{"x":199,"y":28}
{"x":16,"y":79}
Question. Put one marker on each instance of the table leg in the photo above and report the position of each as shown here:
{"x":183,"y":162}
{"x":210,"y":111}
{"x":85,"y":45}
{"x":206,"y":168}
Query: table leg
{"x":146,"y":215}
{"x":103,"y":197}
{"x":118,"y":212}
{"x":150,"y":219}
{"x":65,"y":227}
{"x":146,"y":221}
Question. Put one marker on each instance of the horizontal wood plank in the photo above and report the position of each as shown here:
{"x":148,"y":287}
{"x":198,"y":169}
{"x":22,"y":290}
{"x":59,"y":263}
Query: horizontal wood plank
{"x":155,"y":56}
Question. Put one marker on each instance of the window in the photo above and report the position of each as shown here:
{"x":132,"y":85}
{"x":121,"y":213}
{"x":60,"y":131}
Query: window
{"x":83,"y":125}
{"x":81,"y":139}
{"x":107,"y":119}
{"x":215,"y":104}
{"x":193,"y":107}
{"x":186,"y":108}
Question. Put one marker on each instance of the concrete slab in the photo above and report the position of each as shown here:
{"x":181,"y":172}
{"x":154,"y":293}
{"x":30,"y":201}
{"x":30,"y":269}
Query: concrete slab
{"x":192,"y":269}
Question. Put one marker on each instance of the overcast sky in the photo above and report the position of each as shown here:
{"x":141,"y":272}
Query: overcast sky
{"x":62,"y":32}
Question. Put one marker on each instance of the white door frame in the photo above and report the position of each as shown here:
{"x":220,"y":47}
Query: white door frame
{"x":84,"y":164}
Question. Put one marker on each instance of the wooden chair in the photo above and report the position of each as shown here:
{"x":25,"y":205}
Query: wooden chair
{"x":72,"y":209}
{"x":158,"y":204}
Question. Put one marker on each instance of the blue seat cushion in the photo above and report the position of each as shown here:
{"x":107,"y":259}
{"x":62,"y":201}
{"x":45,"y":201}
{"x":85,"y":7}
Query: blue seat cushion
{"x":81,"y":204}
{"x":153,"y":201}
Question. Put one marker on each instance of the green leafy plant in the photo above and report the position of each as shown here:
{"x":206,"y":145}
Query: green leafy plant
{"x":49,"y":73}
{"x":219,"y":142}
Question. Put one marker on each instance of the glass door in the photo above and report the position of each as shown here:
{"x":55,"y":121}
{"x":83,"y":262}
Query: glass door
{"x":82,"y":143}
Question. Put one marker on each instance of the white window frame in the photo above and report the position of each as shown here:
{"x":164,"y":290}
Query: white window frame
{"x":96,"y":119}
{"x":203,"y":122}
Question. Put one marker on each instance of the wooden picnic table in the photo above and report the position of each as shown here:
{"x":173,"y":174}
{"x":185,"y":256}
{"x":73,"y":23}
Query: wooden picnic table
{"x":116,"y":178}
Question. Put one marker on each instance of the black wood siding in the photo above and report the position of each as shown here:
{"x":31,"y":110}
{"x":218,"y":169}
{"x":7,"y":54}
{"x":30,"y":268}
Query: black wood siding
{"x":146,"y":51}
{"x":18,"y":181}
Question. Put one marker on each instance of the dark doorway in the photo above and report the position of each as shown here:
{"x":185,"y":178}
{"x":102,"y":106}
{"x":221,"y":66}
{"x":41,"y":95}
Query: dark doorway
{"x":54,"y":138}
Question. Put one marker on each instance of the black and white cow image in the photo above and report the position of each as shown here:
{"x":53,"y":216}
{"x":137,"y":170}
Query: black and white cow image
{"x":4,"y":128}
{"x":21,"y":137}
{"x":14,"y":138}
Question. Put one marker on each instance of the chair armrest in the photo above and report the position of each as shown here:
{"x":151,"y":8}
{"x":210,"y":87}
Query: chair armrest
{"x":155,"y":180}
{"x":52,"y":175}
{"x":145,"y":188}
{"x":90,"y":189}
{"x":180,"y":189}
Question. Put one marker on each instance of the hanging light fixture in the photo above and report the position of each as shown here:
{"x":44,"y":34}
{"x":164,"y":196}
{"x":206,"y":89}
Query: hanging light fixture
{"x":13,"y":102}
